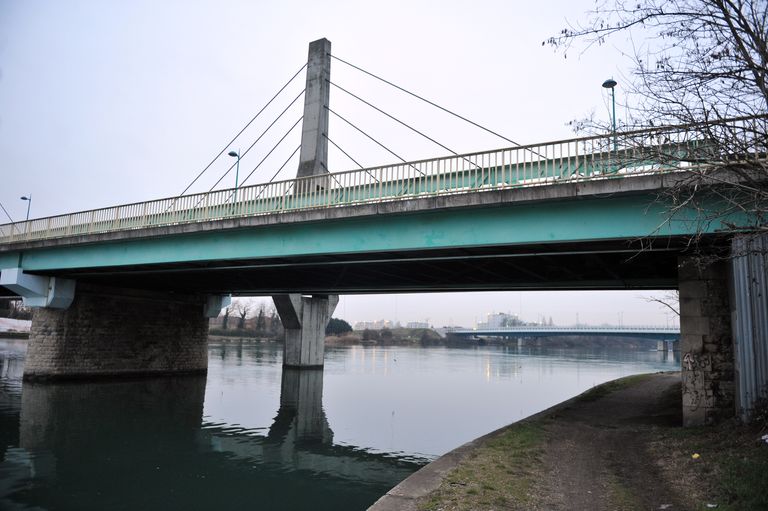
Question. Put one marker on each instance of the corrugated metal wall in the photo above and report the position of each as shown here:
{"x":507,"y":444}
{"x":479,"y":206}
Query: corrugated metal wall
{"x":750,"y":319}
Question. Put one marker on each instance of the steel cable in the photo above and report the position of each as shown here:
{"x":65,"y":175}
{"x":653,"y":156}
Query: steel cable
{"x":242,"y":130}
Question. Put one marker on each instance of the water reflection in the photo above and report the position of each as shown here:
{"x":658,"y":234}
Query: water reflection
{"x":254,"y":435}
{"x":143,"y":444}
{"x":301,"y":418}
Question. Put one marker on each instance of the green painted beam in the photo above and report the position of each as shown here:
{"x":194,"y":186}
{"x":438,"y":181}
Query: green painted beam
{"x":9,"y":260}
{"x":625,"y":217}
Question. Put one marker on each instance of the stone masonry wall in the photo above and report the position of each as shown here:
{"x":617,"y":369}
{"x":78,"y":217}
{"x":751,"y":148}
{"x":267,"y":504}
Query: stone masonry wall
{"x":117,"y":332}
{"x":706,"y":343}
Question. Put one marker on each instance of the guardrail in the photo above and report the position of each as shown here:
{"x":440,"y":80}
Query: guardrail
{"x":578,"y":159}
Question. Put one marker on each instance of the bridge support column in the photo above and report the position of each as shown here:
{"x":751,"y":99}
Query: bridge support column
{"x":661,"y":345}
{"x":304,"y":319}
{"x":706,"y":343}
{"x":109,"y":332}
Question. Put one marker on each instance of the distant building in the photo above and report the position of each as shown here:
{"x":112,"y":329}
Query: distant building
{"x":500,"y":320}
{"x":376,"y":325}
{"x":417,"y":324}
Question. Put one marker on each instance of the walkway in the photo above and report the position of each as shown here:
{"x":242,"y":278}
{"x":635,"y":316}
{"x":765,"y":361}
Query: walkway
{"x":617,"y":447}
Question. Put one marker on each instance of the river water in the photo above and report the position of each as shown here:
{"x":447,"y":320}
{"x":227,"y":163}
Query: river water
{"x":253,"y":436}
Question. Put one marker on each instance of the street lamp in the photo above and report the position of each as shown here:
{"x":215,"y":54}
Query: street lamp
{"x":236,"y":154}
{"x":610,"y":83}
{"x":29,"y":203}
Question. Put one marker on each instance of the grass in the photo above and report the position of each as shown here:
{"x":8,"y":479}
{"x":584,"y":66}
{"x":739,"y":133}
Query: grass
{"x":498,"y":474}
{"x":599,"y":391}
{"x":732,"y":470}
{"x":621,"y":496}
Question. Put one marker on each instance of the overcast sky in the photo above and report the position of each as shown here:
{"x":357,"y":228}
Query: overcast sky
{"x":109,"y":102}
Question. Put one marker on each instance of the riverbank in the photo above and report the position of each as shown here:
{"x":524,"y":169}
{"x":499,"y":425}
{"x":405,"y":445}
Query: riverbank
{"x":619,"y":446}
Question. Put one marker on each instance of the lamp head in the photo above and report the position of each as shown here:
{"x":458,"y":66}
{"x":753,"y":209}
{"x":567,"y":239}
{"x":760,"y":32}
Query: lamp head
{"x":26,"y":198}
{"x":233,"y":154}
{"x":610,"y":83}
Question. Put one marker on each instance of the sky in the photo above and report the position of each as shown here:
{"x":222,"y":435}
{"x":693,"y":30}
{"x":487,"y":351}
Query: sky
{"x":112,"y":102}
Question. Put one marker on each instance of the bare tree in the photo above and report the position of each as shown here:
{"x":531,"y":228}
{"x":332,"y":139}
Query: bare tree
{"x":225,"y":319}
{"x":275,"y":326}
{"x":700,"y":65}
{"x":18,"y":310}
{"x":261,"y":321}
{"x":242,"y":307}
{"x":670,"y":300}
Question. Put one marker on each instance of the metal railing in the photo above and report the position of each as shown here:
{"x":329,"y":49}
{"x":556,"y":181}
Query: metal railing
{"x":578,"y":159}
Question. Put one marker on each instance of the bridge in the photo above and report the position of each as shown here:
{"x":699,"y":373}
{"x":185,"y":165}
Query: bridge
{"x":583,"y":213}
{"x":667,"y":337}
{"x":648,"y":332}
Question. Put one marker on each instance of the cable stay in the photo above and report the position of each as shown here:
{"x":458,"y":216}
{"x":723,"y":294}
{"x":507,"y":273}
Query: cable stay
{"x":425,"y":100}
{"x":257,"y":139}
{"x":272,"y":150}
{"x":390,"y":151}
{"x":13,"y":224}
{"x":404,"y":124}
{"x":354,"y":160}
{"x":344,"y":152}
{"x":9,"y":216}
{"x":232,"y":194}
{"x":242,"y":130}
{"x":283,"y":165}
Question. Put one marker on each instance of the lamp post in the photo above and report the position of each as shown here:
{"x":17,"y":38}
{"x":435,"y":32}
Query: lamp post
{"x":29,"y":204}
{"x":236,"y":154}
{"x":610,"y":83}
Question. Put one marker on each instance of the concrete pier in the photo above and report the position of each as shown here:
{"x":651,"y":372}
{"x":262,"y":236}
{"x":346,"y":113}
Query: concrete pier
{"x":304,"y":319}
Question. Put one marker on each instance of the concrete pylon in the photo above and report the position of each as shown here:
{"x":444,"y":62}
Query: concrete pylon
{"x":313,"y":157}
{"x":304,"y":319}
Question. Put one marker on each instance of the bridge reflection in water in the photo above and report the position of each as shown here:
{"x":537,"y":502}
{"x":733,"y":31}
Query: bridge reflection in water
{"x":145,"y":442}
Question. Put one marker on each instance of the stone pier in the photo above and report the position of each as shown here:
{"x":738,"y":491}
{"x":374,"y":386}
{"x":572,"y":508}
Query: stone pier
{"x":706,"y":343}
{"x":108,"y":332}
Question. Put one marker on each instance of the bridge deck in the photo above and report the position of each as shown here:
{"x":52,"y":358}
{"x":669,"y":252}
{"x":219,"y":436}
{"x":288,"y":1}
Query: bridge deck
{"x":575,"y":160}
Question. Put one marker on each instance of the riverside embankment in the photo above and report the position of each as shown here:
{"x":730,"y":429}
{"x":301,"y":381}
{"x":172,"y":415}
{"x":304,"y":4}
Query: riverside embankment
{"x":619,"y":446}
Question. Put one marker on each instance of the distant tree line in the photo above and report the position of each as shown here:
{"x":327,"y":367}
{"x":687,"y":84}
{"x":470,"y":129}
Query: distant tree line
{"x":337,"y":326}
{"x":247,"y":318}
{"x":15,"y":309}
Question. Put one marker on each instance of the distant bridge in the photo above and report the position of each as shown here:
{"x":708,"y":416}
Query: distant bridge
{"x":648,"y":332}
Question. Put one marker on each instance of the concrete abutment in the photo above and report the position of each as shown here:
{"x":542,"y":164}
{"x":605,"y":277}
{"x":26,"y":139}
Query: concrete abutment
{"x":110,"y":332}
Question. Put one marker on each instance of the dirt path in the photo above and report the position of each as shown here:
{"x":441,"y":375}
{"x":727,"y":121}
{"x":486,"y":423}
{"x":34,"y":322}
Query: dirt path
{"x":596,"y":454}
{"x":618,"y":447}
{"x":592,"y":453}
